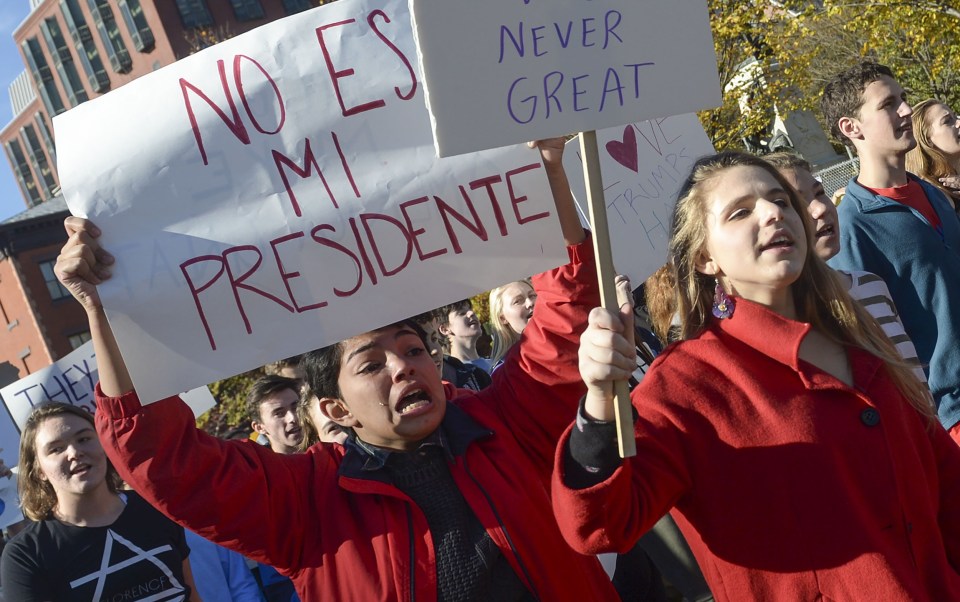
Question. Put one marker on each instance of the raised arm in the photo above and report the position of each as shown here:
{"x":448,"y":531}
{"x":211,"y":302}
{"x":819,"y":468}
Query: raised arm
{"x":535,"y":392}
{"x":551,"y":151}
{"x":603,"y":503}
{"x":81,"y":266}
{"x":240,"y":495}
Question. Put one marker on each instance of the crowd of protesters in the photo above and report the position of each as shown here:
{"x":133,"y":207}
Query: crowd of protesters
{"x":796,"y":416}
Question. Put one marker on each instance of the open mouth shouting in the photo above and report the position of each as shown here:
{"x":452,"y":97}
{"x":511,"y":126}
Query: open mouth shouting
{"x":413,"y":401}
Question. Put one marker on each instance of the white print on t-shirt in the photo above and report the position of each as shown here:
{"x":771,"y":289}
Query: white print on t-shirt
{"x":171,"y":591}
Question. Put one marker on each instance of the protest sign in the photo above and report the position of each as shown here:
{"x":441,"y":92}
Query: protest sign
{"x":505,"y":71}
{"x":71,"y":379}
{"x":643,"y":165}
{"x":279,"y":192}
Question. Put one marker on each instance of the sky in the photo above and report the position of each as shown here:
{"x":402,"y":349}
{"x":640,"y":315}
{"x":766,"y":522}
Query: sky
{"x":12,"y":13}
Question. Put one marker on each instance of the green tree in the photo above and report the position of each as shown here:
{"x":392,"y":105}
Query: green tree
{"x":230,"y":411}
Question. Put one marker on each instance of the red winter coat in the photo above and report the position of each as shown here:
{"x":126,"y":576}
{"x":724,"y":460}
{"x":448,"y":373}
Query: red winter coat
{"x":788,"y":484}
{"x":340,"y":533}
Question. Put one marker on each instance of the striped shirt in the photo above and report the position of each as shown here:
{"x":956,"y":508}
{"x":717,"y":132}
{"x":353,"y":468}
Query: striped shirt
{"x":872,"y":293}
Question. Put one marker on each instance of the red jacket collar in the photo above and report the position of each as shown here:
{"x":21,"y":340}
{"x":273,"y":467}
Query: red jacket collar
{"x":765,"y":330}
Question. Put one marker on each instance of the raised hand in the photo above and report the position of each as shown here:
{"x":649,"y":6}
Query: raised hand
{"x":82,"y":264}
{"x":551,"y":150}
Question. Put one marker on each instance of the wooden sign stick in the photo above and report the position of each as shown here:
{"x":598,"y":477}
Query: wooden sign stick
{"x":606,"y":273}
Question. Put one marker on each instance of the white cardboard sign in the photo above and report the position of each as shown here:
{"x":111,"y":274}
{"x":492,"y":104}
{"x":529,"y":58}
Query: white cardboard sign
{"x":505,"y":71}
{"x":279,"y":192}
{"x":71,"y":379}
{"x":643,"y":165}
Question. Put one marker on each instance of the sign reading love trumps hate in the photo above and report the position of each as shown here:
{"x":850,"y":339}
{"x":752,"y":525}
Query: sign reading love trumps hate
{"x":278,"y":192}
{"x":644,"y":165}
{"x":504,"y":71}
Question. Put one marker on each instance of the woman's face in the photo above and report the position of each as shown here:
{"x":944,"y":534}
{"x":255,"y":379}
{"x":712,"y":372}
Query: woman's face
{"x":942,"y":130}
{"x":518,"y":301}
{"x":756,"y":244}
{"x":70,"y":456}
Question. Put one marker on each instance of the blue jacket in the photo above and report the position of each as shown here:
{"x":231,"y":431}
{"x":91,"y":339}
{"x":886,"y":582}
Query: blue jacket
{"x":922,"y":270}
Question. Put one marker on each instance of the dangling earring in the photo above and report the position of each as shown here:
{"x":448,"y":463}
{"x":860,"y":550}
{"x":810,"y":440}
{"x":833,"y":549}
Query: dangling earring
{"x":723,"y":305}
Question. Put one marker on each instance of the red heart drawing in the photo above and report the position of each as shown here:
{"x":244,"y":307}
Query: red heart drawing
{"x":625,"y":153}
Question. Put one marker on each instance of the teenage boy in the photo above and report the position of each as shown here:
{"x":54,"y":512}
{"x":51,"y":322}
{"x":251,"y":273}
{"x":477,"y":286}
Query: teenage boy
{"x":899,"y":227}
{"x":461,"y":329}
{"x":433,"y":497}
{"x":272,"y":410}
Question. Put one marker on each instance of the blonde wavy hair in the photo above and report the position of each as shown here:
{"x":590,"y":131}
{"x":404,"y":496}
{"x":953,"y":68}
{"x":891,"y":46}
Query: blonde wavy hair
{"x":504,"y":336}
{"x":819,"y":296}
{"x":926,"y":160}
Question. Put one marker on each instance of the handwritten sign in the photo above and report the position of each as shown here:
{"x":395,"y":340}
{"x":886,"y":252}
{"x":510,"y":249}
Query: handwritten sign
{"x":279,"y":192}
{"x":505,"y":71}
{"x":643,"y":165}
{"x":72,"y":379}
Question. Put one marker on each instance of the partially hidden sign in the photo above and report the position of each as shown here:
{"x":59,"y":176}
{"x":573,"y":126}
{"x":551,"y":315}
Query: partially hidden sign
{"x":71,"y":379}
{"x":279,"y":192}
{"x":644,"y":164}
{"x":505,"y":71}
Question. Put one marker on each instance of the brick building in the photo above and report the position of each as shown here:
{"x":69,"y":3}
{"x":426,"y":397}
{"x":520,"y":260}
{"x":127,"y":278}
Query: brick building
{"x":39,"y":320}
{"x":75,"y":50}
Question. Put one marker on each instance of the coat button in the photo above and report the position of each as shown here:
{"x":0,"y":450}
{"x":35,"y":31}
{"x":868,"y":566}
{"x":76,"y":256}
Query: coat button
{"x":870,"y":417}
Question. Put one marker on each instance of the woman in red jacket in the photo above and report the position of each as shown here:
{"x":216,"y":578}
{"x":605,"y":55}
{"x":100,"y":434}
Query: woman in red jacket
{"x":800,"y":455}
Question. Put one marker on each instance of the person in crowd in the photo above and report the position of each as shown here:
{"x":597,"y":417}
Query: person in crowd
{"x":222,"y":575}
{"x":91,"y":540}
{"x":429,"y":323}
{"x":800,"y":454}
{"x":437,"y":494}
{"x":463,"y":365}
{"x":865,"y":287}
{"x":316,"y":427}
{"x":463,"y":330}
{"x":511,"y":307}
{"x":899,"y":227}
{"x":936,"y":158}
{"x":272,"y":409}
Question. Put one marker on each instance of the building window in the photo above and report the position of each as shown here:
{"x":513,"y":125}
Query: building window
{"x":78,"y":339}
{"x":40,"y":164}
{"x":47,"y":139}
{"x":56,"y":290}
{"x":136,"y":21}
{"x":42,"y":76}
{"x":83,"y":41}
{"x":194,"y":13}
{"x":110,"y":35}
{"x":247,"y":10}
{"x":296,"y":6}
{"x":24,"y":176}
{"x":63,"y":61}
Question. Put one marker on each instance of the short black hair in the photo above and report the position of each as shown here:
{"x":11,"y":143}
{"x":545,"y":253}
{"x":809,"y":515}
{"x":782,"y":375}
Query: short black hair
{"x":265,"y":387}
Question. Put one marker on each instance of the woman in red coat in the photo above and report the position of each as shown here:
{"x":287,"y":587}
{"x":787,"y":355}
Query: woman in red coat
{"x":800,"y":455}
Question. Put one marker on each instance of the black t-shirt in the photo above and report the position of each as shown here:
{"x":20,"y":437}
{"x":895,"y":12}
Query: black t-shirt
{"x":139,"y":557}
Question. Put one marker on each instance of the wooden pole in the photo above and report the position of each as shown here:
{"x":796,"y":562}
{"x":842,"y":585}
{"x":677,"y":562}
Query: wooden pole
{"x":606,"y":273}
